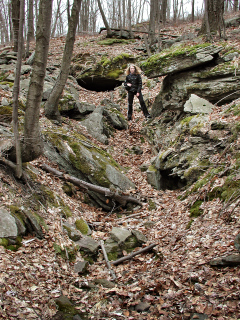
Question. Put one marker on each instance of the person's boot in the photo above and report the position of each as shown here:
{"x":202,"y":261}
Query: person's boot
{"x":129,"y":116}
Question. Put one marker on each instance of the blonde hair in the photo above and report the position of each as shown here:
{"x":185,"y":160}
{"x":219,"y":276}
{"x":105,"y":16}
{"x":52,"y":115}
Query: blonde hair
{"x":137,"y":69}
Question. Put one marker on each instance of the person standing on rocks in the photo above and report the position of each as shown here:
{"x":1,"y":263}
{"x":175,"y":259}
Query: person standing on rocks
{"x":133,"y":84}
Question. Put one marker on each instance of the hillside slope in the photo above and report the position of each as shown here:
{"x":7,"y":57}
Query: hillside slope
{"x":175,"y":281}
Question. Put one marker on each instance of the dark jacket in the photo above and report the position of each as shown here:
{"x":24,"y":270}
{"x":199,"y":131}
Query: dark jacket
{"x":135,"y":80}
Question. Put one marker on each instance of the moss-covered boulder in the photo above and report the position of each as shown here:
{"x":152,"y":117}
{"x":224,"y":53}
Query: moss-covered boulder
{"x":179,"y":58}
{"x":186,"y":147}
{"x":100,"y":72}
{"x":67,"y":310}
{"x":79,"y":157}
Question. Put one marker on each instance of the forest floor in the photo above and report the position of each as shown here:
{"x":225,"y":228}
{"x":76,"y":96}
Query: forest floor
{"x":175,"y":280}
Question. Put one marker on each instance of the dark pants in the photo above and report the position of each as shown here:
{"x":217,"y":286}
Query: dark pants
{"x":130,"y":104}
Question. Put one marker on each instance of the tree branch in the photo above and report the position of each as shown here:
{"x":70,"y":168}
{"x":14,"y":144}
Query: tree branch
{"x":122,"y":199}
{"x":130,"y":256}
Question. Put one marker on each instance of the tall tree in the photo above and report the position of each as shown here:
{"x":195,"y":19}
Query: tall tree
{"x":30,"y":34}
{"x":56,"y":18}
{"x":164,"y":11}
{"x":213,"y":20}
{"x":193,"y":4}
{"x":235,"y":5}
{"x":51,"y":106}
{"x":15,"y":22}
{"x":32,"y":143}
{"x":130,"y":18}
{"x":109,"y":31}
{"x":16,"y":88}
{"x":153,"y":10}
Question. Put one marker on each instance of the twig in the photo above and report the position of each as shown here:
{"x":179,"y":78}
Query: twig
{"x":227,"y":97}
{"x":107,"y":261}
{"x":133,"y":254}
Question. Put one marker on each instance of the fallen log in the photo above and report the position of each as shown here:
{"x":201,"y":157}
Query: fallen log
{"x":120,"y":198}
{"x":133,"y":254}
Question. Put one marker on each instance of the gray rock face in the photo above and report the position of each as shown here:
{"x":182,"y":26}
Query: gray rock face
{"x":8,"y":226}
{"x":193,"y":71}
{"x":120,"y":235}
{"x":73,"y":233}
{"x":237,"y":242}
{"x":81,"y":267}
{"x":88,"y":245}
{"x":197,"y":105}
{"x":95,"y":125}
{"x":192,"y":143}
{"x":215,"y":84}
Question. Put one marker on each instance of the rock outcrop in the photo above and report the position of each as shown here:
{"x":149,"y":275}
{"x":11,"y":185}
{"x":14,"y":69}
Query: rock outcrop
{"x":198,"y":70}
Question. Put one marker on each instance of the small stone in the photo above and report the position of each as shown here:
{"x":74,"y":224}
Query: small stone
{"x":87,"y":244}
{"x":73,"y":233}
{"x":105,"y":283}
{"x":199,"y":316}
{"x":81,"y":267}
{"x":120,"y":235}
{"x":142,"y":306}
{"x":5,"y":102}
{"x":237,"y":242}
{"x":140,"y":236}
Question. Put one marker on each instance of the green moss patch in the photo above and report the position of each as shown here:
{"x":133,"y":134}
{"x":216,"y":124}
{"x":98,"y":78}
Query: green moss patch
{"x":164,"y":58}
{"x":112,"y":41}
{"x":195,"y":210}
{"x":82,"y":226}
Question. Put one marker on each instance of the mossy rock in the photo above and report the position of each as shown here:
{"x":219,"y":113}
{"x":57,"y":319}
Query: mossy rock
{"x":6,"y":113}
{"x":82,"y":226}
{"x":4,"y":242}
{"x":112,"y":41}
{"x":175,"y":59}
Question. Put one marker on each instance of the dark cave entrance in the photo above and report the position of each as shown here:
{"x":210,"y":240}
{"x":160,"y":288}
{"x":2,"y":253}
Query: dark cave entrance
{"x":99,"y":83}
{"x":171,"y":182}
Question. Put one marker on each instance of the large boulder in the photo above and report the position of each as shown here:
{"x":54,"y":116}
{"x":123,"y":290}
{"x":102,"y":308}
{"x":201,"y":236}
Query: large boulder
{"x":100,"y":72}
{"x":79,"y":157}
{"x":186,"y":147}
{"x":217,"y":84}
{"x":179,"y":58}
{"x":207,"y":71}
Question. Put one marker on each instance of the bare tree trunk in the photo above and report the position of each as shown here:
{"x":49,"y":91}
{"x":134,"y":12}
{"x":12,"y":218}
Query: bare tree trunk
{"x":193,"y":4}
{"x":4,"y":32}
{"x":51,"y":106}
{"x":130,"y":18}
{"x":30,"y":34}
{"x":32,"y":144}
{"x":175,"y":10}
{"x":124,"y":14}
{"x":15,"y":22}
{"x":168,"y":9}
{"x":213,"y":19}
{"x":120,"y":17}
{"x":235,"y":5}
{"x":109,"y":32}
{"x":56,"y":18}
{"x":164,"y":12}
{"x":153,"y":8}
{"x":16,"y":93}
